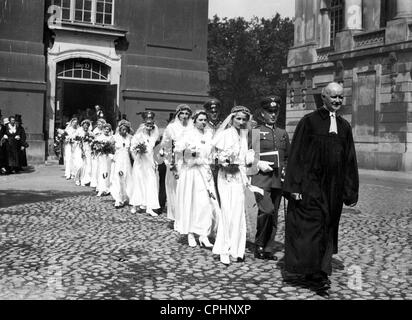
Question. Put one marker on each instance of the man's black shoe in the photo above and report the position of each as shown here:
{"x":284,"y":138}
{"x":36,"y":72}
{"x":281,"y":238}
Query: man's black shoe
{"x":259,"y":253}
{"x":270,"y":256}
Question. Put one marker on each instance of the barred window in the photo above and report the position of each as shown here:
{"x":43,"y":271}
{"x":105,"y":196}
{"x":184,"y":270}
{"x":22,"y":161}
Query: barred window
{"x":85,"y":69}
{"x":336,"y":19}
{"x":87,"y":11}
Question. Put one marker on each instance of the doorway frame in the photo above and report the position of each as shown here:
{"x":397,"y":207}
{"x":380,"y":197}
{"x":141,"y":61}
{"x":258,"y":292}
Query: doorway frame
{"x":104,"y":52}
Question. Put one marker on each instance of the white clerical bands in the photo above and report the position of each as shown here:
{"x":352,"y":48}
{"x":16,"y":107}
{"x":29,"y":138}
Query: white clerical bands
{"x":333,"y":127}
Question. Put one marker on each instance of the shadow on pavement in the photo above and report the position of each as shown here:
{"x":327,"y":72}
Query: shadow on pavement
{"x":10,"y":198}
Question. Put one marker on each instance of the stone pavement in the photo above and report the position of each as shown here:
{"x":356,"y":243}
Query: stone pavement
{"x":60,"y":241}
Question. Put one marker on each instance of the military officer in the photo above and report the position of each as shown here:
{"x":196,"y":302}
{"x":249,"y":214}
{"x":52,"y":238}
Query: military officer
{"x":274,"y":142}
{"x":212,"y":107}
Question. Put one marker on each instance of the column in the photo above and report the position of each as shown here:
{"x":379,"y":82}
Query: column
{"x":403,"y":9}
{"x":353,"y":14}
{"x":299,"y":22}
{"x":371,"y":14}
{"x":324,"y":28}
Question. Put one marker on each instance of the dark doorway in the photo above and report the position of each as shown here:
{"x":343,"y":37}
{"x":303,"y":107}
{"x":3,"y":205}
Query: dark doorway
{"x":79,"y":98}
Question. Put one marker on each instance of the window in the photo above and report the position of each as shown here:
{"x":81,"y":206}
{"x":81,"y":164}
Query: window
{"x":87,"y":11}
{"x":85,"y":69}
{"x":336,"y":19}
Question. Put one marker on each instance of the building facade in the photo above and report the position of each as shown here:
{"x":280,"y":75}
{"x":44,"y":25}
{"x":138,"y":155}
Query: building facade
{"x":59,"y":58}
{"x":366,"y":45}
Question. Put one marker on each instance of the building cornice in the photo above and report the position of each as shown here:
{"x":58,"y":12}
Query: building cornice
{"x":110,"y":31}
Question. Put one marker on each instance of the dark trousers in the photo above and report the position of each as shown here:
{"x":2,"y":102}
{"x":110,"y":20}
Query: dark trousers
{"x":162,"y":184}
{"x":215,"y":172}
{"x":267,"y":219}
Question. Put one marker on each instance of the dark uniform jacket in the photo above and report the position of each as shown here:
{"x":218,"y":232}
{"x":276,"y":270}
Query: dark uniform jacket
{"x":271,"y":139}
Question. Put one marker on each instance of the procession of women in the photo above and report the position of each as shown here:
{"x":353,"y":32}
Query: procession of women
{"x":121,"y":163}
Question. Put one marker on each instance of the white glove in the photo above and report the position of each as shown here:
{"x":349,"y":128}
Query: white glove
{"x":111,"y":156}
{"x":296,"y":196}
{"x":250,"y":156}
{"x":265,"y":166}
{"x":5,"y":137}
{"x":17,"y":137}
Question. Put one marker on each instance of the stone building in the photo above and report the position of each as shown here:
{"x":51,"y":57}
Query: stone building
{"x":61,"y":57}
{"x":366,"y":45}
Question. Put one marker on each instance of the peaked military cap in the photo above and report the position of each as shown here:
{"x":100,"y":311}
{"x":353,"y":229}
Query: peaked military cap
{"x":212,"y":102}
{"x":270,"y":102}
{"x":148,"y":114}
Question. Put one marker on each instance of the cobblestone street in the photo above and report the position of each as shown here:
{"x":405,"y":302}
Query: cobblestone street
{"x":59,"y":241}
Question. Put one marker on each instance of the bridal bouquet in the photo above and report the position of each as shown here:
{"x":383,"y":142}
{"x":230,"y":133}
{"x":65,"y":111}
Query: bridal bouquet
{"x":228,"y":160}
{"x":88,"y":138}
{"x":102,"y":147}
{"x":77,"y":138}
{"x":140,"y":148}
{"x":107,"y":148}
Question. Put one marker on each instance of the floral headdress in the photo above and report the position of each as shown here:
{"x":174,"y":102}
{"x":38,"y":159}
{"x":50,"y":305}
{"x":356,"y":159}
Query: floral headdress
{"x":86,"y":121}
{"x":197,"y":113}
{"x":124,"y":123}
{"x":101,"y":120}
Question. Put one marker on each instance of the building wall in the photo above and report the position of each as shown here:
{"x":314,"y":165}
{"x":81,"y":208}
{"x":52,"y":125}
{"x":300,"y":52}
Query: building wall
{"x":165,"y":61}
{"x":22,"y":69}
{"x":372,"y":59}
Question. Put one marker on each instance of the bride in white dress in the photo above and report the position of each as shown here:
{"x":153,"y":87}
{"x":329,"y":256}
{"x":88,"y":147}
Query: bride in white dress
{"x":70,"y":131}
{"x":104,"y":161}
{"x":144,"y":191}
{"x":231,"y":145}
{"x":195,"y":187}
{"x":96,"y":132}
{"x":121,"y":173}
{"x":171,"y":136}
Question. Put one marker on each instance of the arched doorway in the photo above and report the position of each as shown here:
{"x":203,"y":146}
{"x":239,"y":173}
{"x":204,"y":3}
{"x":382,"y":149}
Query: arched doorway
{"x":81,"y":84}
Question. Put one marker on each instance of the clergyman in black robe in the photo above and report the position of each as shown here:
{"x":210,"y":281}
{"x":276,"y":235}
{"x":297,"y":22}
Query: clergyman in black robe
{"x":321,"y":176}
{"x":23,"y":142}
{"x":13,"y":145}
{"x":3,"y":154}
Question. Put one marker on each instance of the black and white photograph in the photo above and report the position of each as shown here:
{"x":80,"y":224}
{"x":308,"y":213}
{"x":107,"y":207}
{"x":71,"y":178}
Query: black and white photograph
{"x":214,"y":151}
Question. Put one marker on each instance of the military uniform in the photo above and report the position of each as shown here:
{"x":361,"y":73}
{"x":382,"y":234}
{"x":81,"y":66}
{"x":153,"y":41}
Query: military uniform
{"x":213,"y":105}
{"x":271,"y":138}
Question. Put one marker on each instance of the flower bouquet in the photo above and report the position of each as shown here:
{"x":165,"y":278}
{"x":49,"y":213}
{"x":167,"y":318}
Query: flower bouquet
{"x":228,"y":161}
{"x":96,"y":145}
{"x":102,"y":147}
{"x":77,"y":139}
{"x":88,"y":138}
{"x":59,"y":139}
{"x":140,"y":148}
{"x":107,"y":148}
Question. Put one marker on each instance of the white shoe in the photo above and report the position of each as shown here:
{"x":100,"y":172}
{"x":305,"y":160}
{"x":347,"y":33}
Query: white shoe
{"x":204,"y":241}
{"x":191,"y":239}
{"x":224,"y":258}
{"x":77,"y":183}
{"x":151,"y":212}
{"x":133,"y":210}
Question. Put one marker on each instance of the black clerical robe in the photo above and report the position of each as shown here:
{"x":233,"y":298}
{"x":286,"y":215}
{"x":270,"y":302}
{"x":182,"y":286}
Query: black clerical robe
{"x":322,"y":167}
{"x":13,"y":145}
{"x":3,"y":156}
